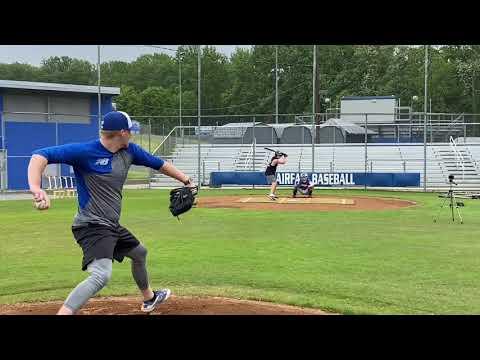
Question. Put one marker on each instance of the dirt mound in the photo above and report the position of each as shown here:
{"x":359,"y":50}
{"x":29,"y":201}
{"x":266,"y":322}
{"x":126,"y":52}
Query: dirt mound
{"x":175,"y":305}
{"x":359,"y":203}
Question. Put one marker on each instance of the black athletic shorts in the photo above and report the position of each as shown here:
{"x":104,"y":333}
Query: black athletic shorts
{"x":100,"y":241}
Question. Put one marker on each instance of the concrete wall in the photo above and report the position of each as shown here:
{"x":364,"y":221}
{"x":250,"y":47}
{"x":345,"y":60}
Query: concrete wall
{"x":370,"y":105}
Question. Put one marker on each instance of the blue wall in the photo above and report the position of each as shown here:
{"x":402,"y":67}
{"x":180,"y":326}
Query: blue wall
{"x":24,"y":137}
{"x":70,"y":133}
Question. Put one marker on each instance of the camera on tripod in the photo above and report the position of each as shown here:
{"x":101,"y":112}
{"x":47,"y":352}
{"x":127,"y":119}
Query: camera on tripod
{"x":451,"y":178}
{"x":453,"y":203}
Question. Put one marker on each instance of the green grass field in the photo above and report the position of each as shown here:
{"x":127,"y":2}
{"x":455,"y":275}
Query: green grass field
{"x":378,"y":262}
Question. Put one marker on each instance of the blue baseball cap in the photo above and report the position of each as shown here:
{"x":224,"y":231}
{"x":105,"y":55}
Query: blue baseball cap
{"x":116,"y":121}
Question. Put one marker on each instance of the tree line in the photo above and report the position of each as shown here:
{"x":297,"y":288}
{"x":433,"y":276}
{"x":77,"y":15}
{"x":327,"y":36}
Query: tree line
{"x":244,"y":83}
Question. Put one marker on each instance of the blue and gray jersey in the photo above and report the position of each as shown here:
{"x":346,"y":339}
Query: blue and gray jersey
{"x":100,"y":176}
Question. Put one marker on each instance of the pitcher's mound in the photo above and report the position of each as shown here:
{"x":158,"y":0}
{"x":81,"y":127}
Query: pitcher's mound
{"x":175,"y":305}
{"x":316,"y":203}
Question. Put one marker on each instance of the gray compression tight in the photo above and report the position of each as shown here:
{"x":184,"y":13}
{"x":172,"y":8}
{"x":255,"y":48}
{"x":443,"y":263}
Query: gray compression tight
{"x":100,"y":273}
{"x":139,"y":269}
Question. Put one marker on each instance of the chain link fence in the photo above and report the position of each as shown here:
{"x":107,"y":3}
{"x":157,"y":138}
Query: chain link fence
{"x":433,"y":144}
{"x":3,"y":170}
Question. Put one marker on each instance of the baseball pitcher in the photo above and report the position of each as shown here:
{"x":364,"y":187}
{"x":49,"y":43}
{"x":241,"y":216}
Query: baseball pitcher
{"x":101,"y":168}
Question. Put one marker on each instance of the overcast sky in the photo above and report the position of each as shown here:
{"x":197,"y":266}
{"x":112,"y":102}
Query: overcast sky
{"x":33,"y":54}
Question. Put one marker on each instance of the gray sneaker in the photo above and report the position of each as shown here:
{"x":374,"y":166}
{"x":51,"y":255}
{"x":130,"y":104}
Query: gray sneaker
{"x":160,"y":297}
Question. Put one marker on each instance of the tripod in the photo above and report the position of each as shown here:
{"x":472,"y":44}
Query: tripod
{"x":453,"y":203}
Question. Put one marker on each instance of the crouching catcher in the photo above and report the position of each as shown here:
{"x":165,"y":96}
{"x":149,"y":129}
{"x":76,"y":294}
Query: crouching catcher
{"x":304,"y":186}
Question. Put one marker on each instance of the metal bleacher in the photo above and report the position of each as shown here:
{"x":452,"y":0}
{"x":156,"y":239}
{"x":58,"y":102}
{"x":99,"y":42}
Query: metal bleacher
{"x":185,"y":158}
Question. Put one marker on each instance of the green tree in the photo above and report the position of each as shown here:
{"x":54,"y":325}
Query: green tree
{"x":67,"y":70}
{"x":115,"y":73}
{"x":404,"y":76}
{"x":153,"y":70}
{"x":130,"y":101}
{"x":242,"y":78}
{"x":245,"y":82}
{"x":19,"y":72}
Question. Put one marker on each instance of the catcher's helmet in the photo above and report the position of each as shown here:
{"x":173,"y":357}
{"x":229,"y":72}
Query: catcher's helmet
{"x":304,"y":177}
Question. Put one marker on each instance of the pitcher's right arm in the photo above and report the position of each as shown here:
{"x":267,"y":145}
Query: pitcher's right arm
{"x":66,"y":154}
{"x":36,"y":167}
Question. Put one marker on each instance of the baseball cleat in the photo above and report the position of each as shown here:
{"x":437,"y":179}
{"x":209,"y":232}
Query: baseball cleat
{"x":160,"y":297}
{"x":272,"y":197}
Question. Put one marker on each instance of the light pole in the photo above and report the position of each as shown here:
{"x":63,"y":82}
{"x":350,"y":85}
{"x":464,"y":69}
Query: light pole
{"x":414,"y":100}
{"x":179,"y":81}
{"x":327,"y":103}
{"x":99,"y":91}
{"x":180,"y":92}
{"x":276,"y":70}
{"x":276,"y":84}
{"x":425,"y":122}
{"x":199,"y":71}
{"x":314,"y":91}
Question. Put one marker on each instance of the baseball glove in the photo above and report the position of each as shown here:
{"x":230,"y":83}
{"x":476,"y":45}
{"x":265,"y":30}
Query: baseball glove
{"x":182,"y":199}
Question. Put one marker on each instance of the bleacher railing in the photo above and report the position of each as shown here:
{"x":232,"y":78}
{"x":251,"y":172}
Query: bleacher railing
{"x":458,"y":156}
{"x":61,"y":186}
{"x":311,"y":132}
